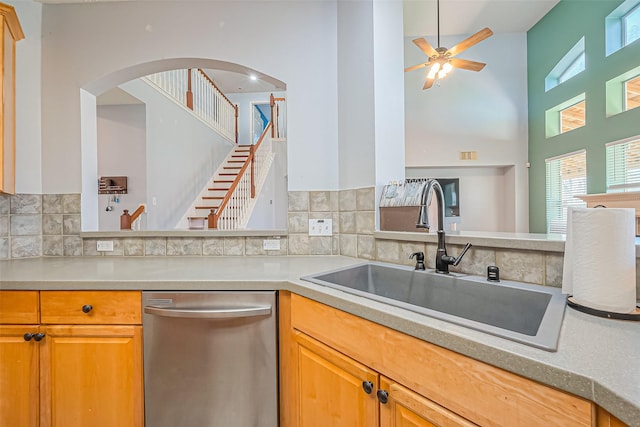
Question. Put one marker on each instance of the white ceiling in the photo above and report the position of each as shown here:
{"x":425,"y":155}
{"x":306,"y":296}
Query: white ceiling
{"x":469,"y":16}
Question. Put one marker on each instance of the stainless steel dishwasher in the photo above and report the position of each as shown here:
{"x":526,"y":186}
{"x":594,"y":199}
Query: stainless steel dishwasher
{"x":210,"y":359}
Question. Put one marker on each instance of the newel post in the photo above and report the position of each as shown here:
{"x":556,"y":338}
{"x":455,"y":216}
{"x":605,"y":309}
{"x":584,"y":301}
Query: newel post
{"x":252,"y":153}
{"x":125,"y":220}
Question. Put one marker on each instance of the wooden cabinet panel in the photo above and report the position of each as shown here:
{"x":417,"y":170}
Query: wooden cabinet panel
{"x":10,"y":33}
{"x":19,"y":307}
{"x":91,"y":376}
{"x":408,"y":409}
{"x":19,"y":397}
{"x":474,"y":390}
{"x":330,"y":387}
{"x":106,"y":307}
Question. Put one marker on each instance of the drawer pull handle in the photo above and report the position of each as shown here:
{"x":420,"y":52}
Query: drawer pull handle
{"x":38,"y":336}
{"x":87,"y":308}
{"x":383,"y":396}
{"x":28,"y":336}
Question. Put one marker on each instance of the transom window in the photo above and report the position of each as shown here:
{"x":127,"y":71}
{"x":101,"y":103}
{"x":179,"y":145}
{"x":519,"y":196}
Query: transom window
{"x":566,"y":178}
{"x":632,"y":93}
{"x":631,"y":25}
{"x":576,"y":67}
{"x":622,"y":26}
{"x":623,"y":165}
{"x":572,"y":63}
{"x":573,"y":117}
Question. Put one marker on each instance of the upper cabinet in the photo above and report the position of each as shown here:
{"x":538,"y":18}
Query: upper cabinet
{"x":11,"y":33}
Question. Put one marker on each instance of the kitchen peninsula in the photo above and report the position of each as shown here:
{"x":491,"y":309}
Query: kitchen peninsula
{"x":595,"y":357}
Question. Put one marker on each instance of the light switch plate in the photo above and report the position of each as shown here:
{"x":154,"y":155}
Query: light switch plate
{"x":320,"y":227}
{"x":271,"y":244}
{"x":104,"y":246}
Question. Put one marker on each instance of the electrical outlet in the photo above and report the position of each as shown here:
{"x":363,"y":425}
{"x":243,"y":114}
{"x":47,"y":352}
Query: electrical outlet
{"x":320,"y":227}
{"x":271,"y":244}
{"x":104,"y":246}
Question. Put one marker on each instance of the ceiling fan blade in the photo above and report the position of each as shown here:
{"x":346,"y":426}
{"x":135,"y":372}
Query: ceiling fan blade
{"x":415,"y":67}
{"x":465,"y":64}
{"x":470,"y":41}
{"x":424,"y":46}
{"x":428,"y":83}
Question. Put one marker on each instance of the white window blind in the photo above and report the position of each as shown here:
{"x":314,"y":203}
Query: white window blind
{"x":566,"y":177}
{"x":623,"y":165}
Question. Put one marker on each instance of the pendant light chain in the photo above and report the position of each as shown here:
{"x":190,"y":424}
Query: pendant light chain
{"x":438,"y":17}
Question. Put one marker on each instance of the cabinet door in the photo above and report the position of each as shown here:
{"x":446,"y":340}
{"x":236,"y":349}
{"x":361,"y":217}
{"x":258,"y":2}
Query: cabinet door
{"x":406,"y":408}
{"x":19,"y":399}
{"x":91,"y":376}
{"x":330,"y":388}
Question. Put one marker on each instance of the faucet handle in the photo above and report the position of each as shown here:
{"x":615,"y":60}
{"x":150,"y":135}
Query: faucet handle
{"x":419,"y":260}
{"x":457,"y":260}
{"x":418,"y":255}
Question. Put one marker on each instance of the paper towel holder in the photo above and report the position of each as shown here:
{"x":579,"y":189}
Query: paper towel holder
{"x":635,"y":316}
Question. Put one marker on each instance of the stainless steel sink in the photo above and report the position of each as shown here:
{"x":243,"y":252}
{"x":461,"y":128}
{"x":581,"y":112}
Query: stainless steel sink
{"x":529,"y":314}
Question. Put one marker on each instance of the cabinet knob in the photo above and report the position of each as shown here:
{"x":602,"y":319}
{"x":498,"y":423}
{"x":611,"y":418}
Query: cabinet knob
{"x":28,"y":336}
{"x":383,"y":396}
{"x":367,"y":386}
{"x":39,"y":336}
{"x":87,"y":308}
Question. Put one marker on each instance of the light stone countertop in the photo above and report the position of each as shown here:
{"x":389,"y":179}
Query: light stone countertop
{"x":596,"y":357}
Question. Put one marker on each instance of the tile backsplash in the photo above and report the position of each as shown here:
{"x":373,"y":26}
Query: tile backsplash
{"x":33,"y":225}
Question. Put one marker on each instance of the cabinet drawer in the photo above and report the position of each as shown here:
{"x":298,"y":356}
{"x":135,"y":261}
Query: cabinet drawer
{"x":19,"y":307}
{"x":91,"y":307}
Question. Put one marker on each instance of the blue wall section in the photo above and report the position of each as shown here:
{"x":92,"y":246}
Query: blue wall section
{"x":547,"y":42}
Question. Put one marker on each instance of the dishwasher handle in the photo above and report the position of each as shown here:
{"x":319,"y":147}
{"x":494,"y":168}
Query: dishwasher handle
{"x":210,"y":313}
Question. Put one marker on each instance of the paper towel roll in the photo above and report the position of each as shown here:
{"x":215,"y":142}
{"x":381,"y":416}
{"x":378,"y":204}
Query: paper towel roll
{"x":600,"y":258}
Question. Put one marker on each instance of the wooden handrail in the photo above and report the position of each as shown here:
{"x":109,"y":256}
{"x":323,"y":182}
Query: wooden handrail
{"x":126,"y":220}
{"x":249,"y":161}
{"x":137,"y":213}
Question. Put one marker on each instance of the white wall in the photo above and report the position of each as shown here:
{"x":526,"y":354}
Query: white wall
{"x":484,"y":112}
{"x":83,"y":43}
{"x":182,"y":154}
{"x":122,"y":140}
{"x":28,"y":105}
{"x":356,"y":129}
{"x":486,"y":204}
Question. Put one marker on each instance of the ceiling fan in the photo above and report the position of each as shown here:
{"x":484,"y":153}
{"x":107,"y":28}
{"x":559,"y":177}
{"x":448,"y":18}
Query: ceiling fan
{"x":442,"y":61}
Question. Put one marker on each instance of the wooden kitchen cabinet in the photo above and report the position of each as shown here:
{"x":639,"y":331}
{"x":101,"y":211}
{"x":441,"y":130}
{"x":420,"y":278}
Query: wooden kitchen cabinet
{"x":331,"y":392}
{"x":10,"y":34}
{"x":405,"y":408}
{"x":19,"y":359}
{"x":85,"y":367}
{"x":426,"y":384}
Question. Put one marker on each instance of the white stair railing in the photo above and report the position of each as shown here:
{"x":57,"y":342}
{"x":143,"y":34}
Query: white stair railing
{"x":235,"y":209}
{"x":195,"y":90}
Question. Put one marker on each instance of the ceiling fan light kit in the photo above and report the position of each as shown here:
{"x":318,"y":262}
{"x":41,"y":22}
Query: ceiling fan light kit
{"x":442,"y":61}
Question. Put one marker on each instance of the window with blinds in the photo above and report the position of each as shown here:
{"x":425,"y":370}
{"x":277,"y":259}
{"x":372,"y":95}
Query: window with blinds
{"x":623,"y":165}
{"x":566,"y":178}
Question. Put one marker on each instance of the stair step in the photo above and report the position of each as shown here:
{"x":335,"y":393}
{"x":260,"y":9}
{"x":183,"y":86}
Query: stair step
{"x":207,"y":207}
{"x":228,"y":174}
{"x":221,"y":181}
{"x":232,"y":167}
{"x":235,"y":161}
{"x":218,"y":189}
{"x":212,"y":197}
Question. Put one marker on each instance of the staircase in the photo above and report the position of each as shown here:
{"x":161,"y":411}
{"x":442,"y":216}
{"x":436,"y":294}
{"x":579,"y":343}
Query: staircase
{"x":222,"y":181}
{"x":230,"y":196}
